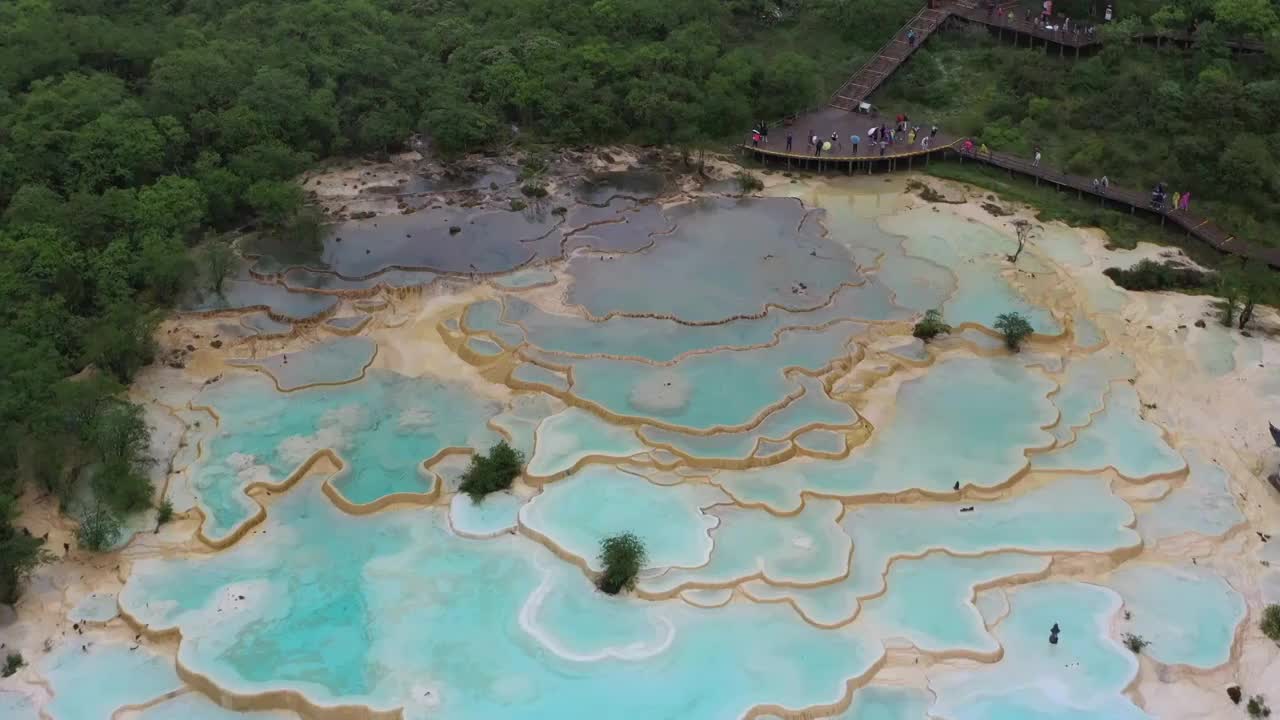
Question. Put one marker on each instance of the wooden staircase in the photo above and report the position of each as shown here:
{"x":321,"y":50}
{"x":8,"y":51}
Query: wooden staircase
{"x":887,"y":59}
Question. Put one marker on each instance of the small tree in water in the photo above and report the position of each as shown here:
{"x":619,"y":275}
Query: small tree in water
{"x":493,"y":472}
{"x":1015,"y":328}
{"x":931,"y":326}
{"x":623,"y":557}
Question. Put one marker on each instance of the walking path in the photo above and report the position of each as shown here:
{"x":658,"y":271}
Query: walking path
{"x":843,"y":117}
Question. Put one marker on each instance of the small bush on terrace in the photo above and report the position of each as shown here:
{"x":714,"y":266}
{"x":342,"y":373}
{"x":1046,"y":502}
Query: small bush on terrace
{"x":492,"y":472}
{"x":623,"y":557}
{"x":931,"y":326}
{"x":1015,"y":328}
{"x":1271,"y":622}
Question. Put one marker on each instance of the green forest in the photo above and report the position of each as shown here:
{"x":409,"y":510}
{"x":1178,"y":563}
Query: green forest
{"x":137,"y":135}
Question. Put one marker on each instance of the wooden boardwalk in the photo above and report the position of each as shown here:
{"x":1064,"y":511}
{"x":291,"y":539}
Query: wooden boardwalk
{"x":790,"y":145}
{"x":887,"y":59}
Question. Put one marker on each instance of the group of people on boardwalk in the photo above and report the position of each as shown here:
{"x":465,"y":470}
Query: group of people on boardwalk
{"x":1045,"y":21}
{"x":880,"y":136}
{"x":1159,"y":196}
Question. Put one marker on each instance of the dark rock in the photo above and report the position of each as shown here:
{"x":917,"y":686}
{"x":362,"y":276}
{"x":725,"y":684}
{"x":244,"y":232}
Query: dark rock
{"x":1199,"y":323}
{"x":454,"y":229}
{"x":191,"y":348}
{"x":1246,"y":333}
{"x":1234,"y":693}
{"x":215,"y":344}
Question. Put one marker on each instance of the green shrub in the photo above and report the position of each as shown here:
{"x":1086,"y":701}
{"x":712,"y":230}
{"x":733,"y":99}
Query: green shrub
{"x":1271,"y":622}
{"x":748,"y":183}
{"x":534,"y":189}
{"x":164,"y":511}
{"x":12,"y":664}
{"x":1136,"y":643}
{"x":1257,"y":707}
{"x":99,"y":529}
{"x":492,"y":472}
{"x":931,"y":326}
{"x":120,"y":435}
{"x":517,"y":205}
{"x":534,"y":165}
{"x":1152,"y":275}
{"x":1015,"y":329}
{"x":623,"y":557}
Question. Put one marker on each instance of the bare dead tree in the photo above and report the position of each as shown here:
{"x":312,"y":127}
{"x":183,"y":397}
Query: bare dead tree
{"x":1026,"y":230}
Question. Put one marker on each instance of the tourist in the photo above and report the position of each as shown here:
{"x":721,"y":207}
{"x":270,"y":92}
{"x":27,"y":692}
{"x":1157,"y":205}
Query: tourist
{"x":755,"y":138}
{"x":764,"y":132}
{"x":835,"y":139}
{"x":1105,"y":182}
{"x":873,"y":134}
{"x":853,"y":143}
{"x":984,"y":150}
{"x":1096,"y":184}
{"x":1186,"y":201}
{"x":967,"y":147}
{"x":817,"y":146}
{"x":1036,"y":161}
{"x":1027,"y":16}
{"x":1177,"y":200}
{"x":924,"y":143}
{"x":789,"y":141}
{"x":1053,"y":634}
{"x":911,"y":38}
{"x":933,"y":131}
{"x":883,"y":145}
{"x":812,"y":138}
{"x":911,"y":137}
